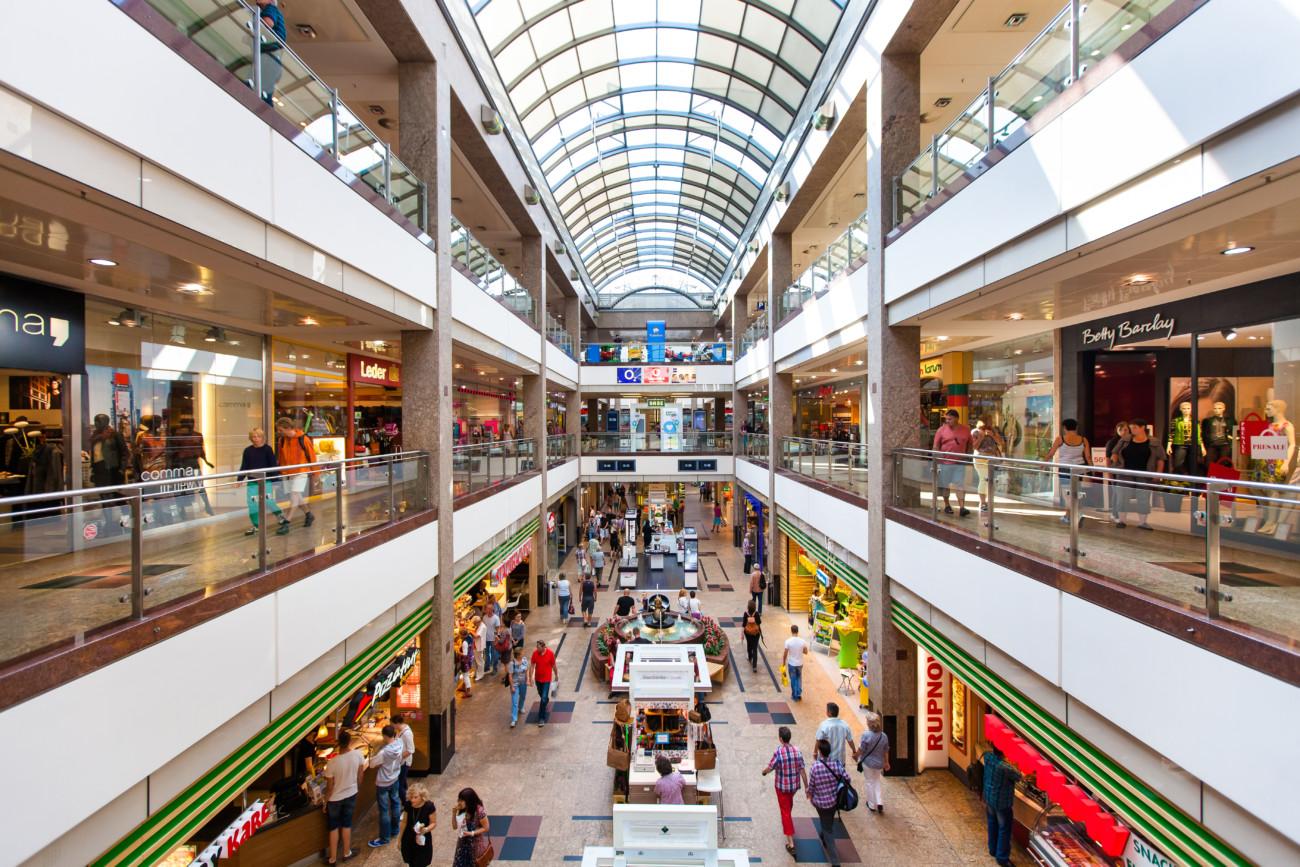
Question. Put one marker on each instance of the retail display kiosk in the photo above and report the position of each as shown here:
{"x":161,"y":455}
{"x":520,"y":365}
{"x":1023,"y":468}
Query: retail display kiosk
{"x":691,"y":558}
{"x":653,"y":835}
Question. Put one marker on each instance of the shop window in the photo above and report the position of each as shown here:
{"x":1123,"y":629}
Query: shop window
{"x":311,"y":391}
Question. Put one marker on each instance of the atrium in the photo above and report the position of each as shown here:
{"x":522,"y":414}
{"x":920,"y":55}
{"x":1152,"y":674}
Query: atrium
{"x":871,"y":421}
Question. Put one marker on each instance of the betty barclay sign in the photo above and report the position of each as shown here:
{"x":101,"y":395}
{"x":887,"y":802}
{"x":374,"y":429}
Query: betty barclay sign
{"x":41,"y":328}
{"x":374,"y":371}
{"x":513,"y":559}
{"x":656,"y":375}
{"x":236,"y":835}
{"x":1129,"y":331}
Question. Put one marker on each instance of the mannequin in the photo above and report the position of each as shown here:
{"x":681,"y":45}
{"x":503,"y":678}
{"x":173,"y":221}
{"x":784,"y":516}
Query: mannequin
{"x":1178,"y":444}
{"x":46,"y":473}
{"x":185,"y":451}
{"x":109,"y":456}
{"x":1218,"y":434}
{"x":1274,"y":471}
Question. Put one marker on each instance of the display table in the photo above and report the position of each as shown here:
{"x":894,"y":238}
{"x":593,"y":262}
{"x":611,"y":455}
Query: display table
{"x":656,"y":835}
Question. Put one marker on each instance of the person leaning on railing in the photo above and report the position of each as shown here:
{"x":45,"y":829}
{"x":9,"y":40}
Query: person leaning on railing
{"x":260,"y":456}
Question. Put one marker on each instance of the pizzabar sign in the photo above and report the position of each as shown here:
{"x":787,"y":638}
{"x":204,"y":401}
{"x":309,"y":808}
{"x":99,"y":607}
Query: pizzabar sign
{"x":236,"y":834}
{"x":381,"y":684}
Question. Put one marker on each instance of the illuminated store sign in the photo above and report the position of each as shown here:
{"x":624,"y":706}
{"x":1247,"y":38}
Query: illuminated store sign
{"x":236,"y":835}
{"x":41,"y":327}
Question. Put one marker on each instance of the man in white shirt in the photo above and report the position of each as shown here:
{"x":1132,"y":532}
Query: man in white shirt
{"x":792,"y":659}
{"x":562,"y":590}
{"x":482,"y":640}
{"x":837,"y":733}
{"x":408,"y":752}
{"x":389,"y":762}
{"x":343,"y":777}
{"x":489,"y":629}
{"x":694,"y":606}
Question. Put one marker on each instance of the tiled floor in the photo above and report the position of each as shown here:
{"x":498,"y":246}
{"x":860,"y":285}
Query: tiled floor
{"x":549,"y":792}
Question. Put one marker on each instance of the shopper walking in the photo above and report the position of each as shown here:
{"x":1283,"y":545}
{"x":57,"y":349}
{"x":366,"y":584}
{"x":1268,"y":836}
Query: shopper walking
{"x":517,"y":682}
{"x":491,"y":620}
{"x":718,"y":523}
{"x":987,"y":443}
{"x":408,"y":753}
{"x":1114,"y":493}
{"x":792,"y":660}
{"x":751,"y":624}
{"x":953,"y":437}
{"x":466,"y":662}
{"x":788,"y":764}
{"x":588,"y":599}
{"x":471,"y":829}
{"x":562,"y":590}
{"x":517,"y":630}
{"x":1137,"y":453}
{"x":837,"y":733}
{"x":343,"y":776}
{"x":257,"y":456}
{"x":389,"y":762}
{"x":824,"y":778}
{"x":747,"y":549}
{"x":757,"y":584}
{"x":541,"y":672}
{"x":269,"y":50}
{"x":1069,"y":450}
{"x":873,"y":759}
{"x":421,"y":818}
{"x":293,"y":448}
{"x":1000,"y":778}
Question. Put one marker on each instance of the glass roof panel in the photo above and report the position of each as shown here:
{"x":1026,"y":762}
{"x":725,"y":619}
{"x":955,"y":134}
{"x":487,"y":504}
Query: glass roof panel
{"x":656,"y":122}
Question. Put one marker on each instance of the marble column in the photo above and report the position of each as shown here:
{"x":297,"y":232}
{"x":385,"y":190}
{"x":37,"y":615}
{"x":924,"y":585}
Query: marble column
{"x":719,"y":414}
{"x":573,"y":324}
{"x":534,"y":280}
{"x":593,"y":415}
{"x":893,"y":394}
{"x":780,"y":392}
{"x":425,"y":103}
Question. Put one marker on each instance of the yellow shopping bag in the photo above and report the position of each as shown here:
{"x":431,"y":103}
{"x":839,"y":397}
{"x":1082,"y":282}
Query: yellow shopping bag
{"x":785,"y":677}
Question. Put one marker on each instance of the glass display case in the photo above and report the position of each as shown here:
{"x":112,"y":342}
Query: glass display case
{"x":1055,"y":841}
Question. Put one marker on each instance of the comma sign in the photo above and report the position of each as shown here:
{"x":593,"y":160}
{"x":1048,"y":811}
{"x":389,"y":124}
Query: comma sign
{"x":41,"y":328}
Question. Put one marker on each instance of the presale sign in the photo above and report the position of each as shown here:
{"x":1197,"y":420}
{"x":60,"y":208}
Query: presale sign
{"x":1269,"y":445}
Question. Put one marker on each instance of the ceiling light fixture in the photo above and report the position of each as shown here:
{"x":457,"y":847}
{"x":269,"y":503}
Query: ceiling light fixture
{"x":941,"y":338}
{"x":103,"y":263}
{"x":193,"y":289}
{"x":127,"y":318}
{"x":1015,"y":19}
{"x":308,"y":320}
{"x":1234,"y":250}
{"x":859,"y":362}
{"x":215,"y":335}
{"x":835,"y":370}
{"x":1229,"y":333}
{"x":1139,"y":280}
{"x":1015,"y":317}
{"x":943,"y":102}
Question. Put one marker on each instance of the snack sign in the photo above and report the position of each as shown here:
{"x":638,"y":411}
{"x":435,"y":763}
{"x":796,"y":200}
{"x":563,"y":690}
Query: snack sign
{"x":235,"y":835}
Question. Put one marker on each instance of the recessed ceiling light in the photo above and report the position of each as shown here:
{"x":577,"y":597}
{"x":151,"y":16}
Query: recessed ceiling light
{"x":308,"y":320}
{"x":214,"y":334}
{"x":941,"y":338}
{"x":1234,"y":250}
{"x":835,"y":370}
{"x":1038,"y":98}
{"x":1015,"y":317}
{"x":193,"y":289}
{"x":1015,"y":19}
{"x":103,"y":263}
{"x":1019,"y":352}
{"x":943,"y":102}
{"x":1139,"y":280}
{"x":859,"y":362}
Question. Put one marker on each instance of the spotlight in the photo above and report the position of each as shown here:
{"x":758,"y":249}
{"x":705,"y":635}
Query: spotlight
{"x":1015,"y":317}
{"x":214,"y":335}
{"x":128,"y":318}
{"x":103,"y":263}
{"x":1229,"y":333}
{"x":193,"y":289}
{"x":1233,"y":250}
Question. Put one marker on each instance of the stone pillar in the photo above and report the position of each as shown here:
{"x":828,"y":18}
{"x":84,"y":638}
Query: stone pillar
{"x":534,"y":396}
{"x":780,"y":393}
{"x":719,"y":414}
{"x":593,"y":415}
{"x":424,"y":97}
{"x":893,"y":394}
{"x":573,"y":324}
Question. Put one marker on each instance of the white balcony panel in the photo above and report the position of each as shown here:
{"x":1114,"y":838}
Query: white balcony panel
{"x":824,"y":324}
{"x":491,"y":321}
{"x":838,"y":520}
{"x":708,"y":377}
{"x":752,"y":476}
{"x":559,"y":478}
{"x":559,"y":364}
{"x":476,"y":523}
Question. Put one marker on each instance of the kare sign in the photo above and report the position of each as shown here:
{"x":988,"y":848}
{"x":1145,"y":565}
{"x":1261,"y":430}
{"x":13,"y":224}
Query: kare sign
{"x":41,"y":327}
{"x":235,"y":835}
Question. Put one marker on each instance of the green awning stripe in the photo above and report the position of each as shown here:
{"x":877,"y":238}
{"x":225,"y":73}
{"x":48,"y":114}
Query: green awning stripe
{"x":842,"y":570}
{"x":183,"y":815}
{"x":484,"y":565}
{"x":1140,"y":806}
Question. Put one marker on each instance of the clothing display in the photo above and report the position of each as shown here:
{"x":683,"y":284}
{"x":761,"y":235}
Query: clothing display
{"x":1216,"y":437}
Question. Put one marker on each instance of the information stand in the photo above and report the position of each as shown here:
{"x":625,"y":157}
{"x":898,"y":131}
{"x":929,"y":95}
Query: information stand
{"x":654,"y":835}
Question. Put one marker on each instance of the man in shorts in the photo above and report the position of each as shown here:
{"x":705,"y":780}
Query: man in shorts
{"x":343,"y":777}
{"x":292,"y":449}
{"x":954,"y":438}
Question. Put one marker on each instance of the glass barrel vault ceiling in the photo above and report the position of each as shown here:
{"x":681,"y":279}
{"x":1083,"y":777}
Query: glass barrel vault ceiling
{"x":656,"y":122}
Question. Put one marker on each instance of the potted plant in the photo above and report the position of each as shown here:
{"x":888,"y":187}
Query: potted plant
{"x":714,"y":641}
{"x":604,"y":645}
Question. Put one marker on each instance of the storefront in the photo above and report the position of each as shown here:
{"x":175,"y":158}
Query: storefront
{"x":755,"y":526}
{"x":831,"y":411}
{"x":1240,"y":346}
{"x":311,"y":390}
{"x":483,"y":415}
{"x":828,"y":587}
{"x":278,"y":818}
{"x":374,"y":406}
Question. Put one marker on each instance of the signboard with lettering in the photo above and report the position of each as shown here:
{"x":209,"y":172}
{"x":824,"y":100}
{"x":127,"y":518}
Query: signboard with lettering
{"x":932,"y":705}
{"x":1152,"y":327}
{"x":235,"y":835}
{"x":707,"y":466}
{"x":629,"y":376}
{"x":656,"y":374}
{"x":374,"y":371}
{"x":41,"y":327}
{"x":1140,"y":853}
{"x":377,"y":688}
{"x":932,"y":367}
{"x":1269,"y":445}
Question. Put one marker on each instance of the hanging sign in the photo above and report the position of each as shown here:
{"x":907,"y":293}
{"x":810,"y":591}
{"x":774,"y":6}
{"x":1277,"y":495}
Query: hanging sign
{"x":550,"y":522}
{"x":932,"y":367}
{"x":374,"y":371}
{"x":515,"y":557}
{"x":41,"y":327}
{"x":235,"y":835}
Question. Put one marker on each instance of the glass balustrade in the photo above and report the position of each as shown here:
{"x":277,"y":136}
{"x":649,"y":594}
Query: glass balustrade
{"x":560,"y":448}
{"x":755,"y":446}
{"x":233,"y":34}
{"x":842,"y":256}
{"x":706,"y":442}
{"x":1210,"y":545}
{"x":1077,"y":38}
{"x":559,"y":336}
{"x":132,"y":549}
{"x":486,"y":465}
{"x":753,"y":333}
{"x":842,"y":464}
{"x":477,"y":263}
{"x":670,"y":352}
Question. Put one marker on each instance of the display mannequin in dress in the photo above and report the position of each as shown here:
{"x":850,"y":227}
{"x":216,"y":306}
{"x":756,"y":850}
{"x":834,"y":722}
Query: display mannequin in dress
{"x":1274,"y":471}
{"x":1178,"y":443}
{"x":1217,"y":434}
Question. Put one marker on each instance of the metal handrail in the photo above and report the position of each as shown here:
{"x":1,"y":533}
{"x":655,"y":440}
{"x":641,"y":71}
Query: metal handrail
{"x":237,"y":475}
{"x":492,"y":444}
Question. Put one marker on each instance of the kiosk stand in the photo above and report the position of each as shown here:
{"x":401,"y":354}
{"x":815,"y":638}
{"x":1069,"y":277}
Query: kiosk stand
{"x":653,"y":835}
{"x":691,"y":558}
